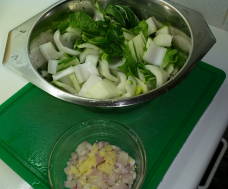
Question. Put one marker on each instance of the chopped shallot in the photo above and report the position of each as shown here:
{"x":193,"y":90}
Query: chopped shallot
{"x":101,"y":166}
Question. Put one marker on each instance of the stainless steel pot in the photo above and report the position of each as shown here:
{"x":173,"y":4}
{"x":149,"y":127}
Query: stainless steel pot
{"x":190,"y":22}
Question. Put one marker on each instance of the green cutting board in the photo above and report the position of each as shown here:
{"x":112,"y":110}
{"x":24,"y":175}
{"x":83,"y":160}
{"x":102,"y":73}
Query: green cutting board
{"x":32,"y":121}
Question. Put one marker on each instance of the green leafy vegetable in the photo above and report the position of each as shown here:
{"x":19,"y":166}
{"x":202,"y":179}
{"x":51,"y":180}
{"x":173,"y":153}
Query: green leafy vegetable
{"x":170,"y":57}
{"x":103,"y":27}
{"x":115,"y":33}
{"x":138,"y":90}
{"x":127,"y":70}
{"x":63,"y":26}
{"x":63,"y":64}
{"x":99,"y":12}
{"x":130,"y":17}
{"x":113,"y":10}
{"x":130,"y":67}
{"x":78,"y":41}
{"x":182,"y":58}
{"x":106,"y":57}
{"x":114,"y":50}
{"x":143,"y":26}
{"x":149,"y":77}
{"x":99,"y":41}
{"x":85,"y":22}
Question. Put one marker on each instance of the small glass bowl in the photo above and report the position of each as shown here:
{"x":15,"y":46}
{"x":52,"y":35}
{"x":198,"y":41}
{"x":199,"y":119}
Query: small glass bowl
{"x":91,"y":131}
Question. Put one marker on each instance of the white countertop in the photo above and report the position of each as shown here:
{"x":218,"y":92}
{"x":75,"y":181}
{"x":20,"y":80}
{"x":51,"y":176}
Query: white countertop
{"x":190,"y":164}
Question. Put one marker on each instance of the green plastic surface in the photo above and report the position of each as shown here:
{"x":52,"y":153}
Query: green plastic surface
{"x":32,"y":121}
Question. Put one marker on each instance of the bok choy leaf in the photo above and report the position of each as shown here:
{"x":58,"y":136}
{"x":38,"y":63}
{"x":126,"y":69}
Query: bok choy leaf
{"x":63,"y":26}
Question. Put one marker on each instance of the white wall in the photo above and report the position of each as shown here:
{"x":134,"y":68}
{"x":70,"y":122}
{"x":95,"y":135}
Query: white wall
{"x":215,"y":12}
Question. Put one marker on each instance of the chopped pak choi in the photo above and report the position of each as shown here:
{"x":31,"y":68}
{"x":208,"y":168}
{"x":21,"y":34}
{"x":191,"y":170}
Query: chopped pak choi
{"x":112,"y":55}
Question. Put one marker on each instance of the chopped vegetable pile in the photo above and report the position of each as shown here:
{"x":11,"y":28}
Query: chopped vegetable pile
{"x":99,"y":166}
{"x":113,"y":55}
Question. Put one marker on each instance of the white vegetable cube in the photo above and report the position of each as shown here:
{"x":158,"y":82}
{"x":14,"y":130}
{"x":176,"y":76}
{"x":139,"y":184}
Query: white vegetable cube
{"x":49,"y":52}
{"x":104,"y":71}
{"x":63,"y":73}
{"x":164,"y":30}
{"x":52,"y":66}
{"x":90,"y":82}
{"x":154,"y":54}
{"x":130,"y":85}
{"x":151,"y":26}
{"x":86,"y":52}
{"x":92,"y":58}
{"x":82,"y":71}
{"x":163,"y":40}
{"x":160,"y":74}
{"x":103,"y":90}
